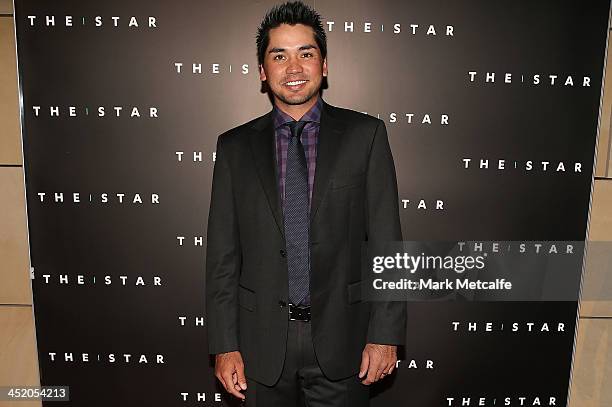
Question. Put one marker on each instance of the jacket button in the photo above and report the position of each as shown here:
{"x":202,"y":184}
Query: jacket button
{"x":283,"y":253}
{"x":282,"y":303}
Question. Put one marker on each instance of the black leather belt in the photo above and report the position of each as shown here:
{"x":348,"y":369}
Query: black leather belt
{"x":299,"y":313}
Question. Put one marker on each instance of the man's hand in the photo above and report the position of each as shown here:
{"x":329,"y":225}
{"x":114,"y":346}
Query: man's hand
{"x":377,"y":361}
{"x":229,"y":369}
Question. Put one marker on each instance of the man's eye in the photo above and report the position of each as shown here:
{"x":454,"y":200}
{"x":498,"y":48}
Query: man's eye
{"x":307,"y":54}
{"x":277,"y":57}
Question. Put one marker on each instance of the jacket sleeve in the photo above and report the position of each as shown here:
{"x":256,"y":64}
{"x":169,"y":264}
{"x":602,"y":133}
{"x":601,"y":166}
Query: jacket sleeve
{"x":387,"y":324}
{"x":223,"y":260}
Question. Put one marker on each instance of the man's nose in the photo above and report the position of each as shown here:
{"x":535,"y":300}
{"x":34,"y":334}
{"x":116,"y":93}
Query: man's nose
{"x":294,"y":65}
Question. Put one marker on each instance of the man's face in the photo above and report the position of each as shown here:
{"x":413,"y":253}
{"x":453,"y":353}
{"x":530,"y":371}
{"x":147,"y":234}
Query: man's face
{"x":292,"y":64}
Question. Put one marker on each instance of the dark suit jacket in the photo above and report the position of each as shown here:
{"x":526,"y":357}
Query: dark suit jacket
{"x":354,"y":199}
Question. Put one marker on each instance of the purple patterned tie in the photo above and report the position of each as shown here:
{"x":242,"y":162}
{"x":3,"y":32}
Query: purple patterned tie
{"x":297,"y":217}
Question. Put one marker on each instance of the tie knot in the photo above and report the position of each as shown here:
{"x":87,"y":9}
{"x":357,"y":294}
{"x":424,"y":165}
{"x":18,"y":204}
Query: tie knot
{"x":296,"y":128}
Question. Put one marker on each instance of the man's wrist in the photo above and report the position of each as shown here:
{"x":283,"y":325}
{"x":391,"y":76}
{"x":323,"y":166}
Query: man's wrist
{"x":224,"y":351}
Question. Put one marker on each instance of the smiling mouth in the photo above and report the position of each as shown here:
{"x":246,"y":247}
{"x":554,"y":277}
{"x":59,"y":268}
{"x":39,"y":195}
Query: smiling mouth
{"x":295,"y":83}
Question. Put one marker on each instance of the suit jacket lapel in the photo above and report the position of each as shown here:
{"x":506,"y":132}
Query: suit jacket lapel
{"x":263,"y":146}
{"x":331,"y":132}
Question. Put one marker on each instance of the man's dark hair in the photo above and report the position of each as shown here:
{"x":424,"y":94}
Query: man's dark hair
{"x":293,"y":12}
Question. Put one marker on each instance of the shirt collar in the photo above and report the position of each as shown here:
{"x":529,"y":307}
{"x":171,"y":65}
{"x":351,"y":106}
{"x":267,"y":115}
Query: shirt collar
{"x":280,"y":118}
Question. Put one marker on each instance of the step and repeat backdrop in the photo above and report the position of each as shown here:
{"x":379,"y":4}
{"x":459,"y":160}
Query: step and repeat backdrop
{"x":492,"y":113}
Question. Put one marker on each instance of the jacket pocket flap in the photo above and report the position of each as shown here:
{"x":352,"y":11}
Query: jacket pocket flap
{"x":344,"y":181}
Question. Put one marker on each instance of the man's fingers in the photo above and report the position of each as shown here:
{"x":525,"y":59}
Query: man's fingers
{"x":373,"y":370}
{"x":389,"y":367}
{"x":377,"y":362}
{"x":227,"y":380}
{"x":241,"y":380}
{"x":227,"y":377}
{"x":365,"y":362}
{"x":379,"y":370}
{"x":220,"y":377}
{"x":229,"y":369}
{"x":371,"y":374}
{"x":235,"y":381}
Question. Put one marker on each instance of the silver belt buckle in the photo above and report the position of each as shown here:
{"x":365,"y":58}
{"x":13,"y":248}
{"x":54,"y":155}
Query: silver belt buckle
{"x":293,"y":309}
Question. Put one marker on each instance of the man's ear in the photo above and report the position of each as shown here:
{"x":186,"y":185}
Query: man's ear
{"x":262,"y":73}
{"x":325,"y":66}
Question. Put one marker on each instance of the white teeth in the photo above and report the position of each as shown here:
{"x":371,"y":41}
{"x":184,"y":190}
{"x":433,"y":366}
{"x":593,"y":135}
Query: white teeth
{"x":293,"y":83}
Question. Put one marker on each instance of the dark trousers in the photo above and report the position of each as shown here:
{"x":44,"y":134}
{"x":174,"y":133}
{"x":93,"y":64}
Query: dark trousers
{"x":302,"y":383}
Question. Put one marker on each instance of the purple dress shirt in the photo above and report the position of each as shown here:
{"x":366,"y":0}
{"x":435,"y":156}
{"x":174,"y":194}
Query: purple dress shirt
{"x":309,"y":138}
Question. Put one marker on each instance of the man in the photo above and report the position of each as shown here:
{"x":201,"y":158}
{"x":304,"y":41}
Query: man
{"x":295,"y":193}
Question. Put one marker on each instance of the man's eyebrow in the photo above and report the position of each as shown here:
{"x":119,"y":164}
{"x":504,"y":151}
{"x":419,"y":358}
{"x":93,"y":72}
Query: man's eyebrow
{"x":308,"y":46}
{"x":302,"y":48}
